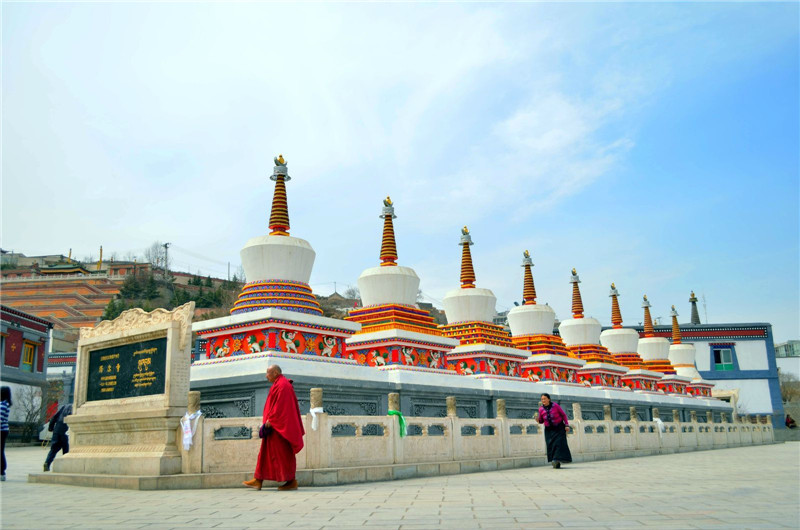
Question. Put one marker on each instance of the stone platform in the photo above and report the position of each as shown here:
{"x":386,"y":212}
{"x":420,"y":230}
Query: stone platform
{"x":736,"y":486}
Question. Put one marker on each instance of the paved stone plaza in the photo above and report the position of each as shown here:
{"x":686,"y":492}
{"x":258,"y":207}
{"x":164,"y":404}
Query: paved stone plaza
{"x":748,"y":487}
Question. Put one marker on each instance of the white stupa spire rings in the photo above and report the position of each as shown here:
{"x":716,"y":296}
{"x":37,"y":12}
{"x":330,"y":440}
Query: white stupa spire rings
{"x":526,"y":259}
{"x":388,"y":209}
{"x":280,"y":169}
{"x":465,"y":237}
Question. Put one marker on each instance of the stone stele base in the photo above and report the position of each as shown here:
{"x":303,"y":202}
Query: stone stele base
{"x":143,"y":443}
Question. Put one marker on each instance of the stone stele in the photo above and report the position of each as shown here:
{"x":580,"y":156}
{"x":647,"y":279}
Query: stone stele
{"x":133,"y":435}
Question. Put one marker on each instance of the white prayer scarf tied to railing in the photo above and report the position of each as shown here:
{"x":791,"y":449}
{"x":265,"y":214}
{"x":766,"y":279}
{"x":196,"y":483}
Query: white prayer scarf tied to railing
{"x":189,"y":426}
{"x":314,"y":419}
{"x":660,"y":426}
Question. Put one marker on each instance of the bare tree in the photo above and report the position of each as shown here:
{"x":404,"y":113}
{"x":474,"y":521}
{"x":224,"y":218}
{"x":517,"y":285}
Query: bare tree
{"x":156,"y":255}
{"x":239,"y":274}
{"x":352,"y":293}
{"x":790,"y":387}
{"x":30,"y":403}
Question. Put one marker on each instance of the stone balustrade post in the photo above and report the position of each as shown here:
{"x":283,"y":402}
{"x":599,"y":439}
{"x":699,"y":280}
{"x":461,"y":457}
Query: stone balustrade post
{"x":710,"y":416}
{"x":676,"y":416}
{"x":693,"y":416}
{"x":505,"y":435}
{"x":192,"y":460}
{"x":317,"y":446}
{"x":394,"y":401}
{"x":607,"y":412}
{"x":194,"y":401}
{"x":501,"y":409}
{"x":316,"y":398}
{"x":656,"y":414}
{"x":397,"y":443}
{"x":577,"y":414}
{"x":723,"y":417}
{"x":760,"y":419}
{"x":634,"y":415}
{"x":451,"y":407}
{"x":769,"y":419}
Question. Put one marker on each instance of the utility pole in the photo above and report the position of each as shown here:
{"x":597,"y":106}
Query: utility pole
{"x":166,"y":260}
{"x":705,"y":309}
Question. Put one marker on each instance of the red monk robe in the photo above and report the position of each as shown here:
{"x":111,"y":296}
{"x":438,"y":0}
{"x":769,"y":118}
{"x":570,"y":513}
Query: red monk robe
{"x":276,"y":460}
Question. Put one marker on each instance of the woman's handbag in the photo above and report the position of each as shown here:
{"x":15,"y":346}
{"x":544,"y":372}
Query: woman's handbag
{"x":264,"y":431}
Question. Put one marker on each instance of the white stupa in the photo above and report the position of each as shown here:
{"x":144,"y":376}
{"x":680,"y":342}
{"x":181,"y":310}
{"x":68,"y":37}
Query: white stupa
{"x":530,"y":318}
{"x":469,"y":303}
{"x":682,"y":354}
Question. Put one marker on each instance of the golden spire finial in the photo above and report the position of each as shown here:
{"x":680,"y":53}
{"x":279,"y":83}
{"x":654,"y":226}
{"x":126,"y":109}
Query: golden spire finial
{"x":577,"y":303}
{"x":279,"y":216}
{"x":648,"y":320}
{"x":676,"y":329}
{"x":616,"y":314}
{"x":388,"y":255}
{"x":528,"y":290}
{"x":467,"y":271}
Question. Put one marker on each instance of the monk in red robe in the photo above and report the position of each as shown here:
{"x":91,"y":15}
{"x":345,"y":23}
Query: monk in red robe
{"x":276,"y":459}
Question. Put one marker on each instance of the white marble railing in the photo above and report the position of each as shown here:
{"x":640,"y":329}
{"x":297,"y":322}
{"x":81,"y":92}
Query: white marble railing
{"x":231,"y":444}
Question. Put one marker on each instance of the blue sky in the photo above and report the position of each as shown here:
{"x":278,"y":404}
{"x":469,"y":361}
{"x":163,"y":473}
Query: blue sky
{"x":652,"y":145}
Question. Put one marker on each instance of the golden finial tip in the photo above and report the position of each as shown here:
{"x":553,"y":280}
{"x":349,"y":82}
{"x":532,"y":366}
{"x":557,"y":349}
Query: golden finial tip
{"x":281,"y":159}
{"x":465,"y":230}
{"x":574,"y":271}
{"x":613,"y":286}
{"x":526,"y":254}
{"x":673,"y":308}
{"x":645,"y":297}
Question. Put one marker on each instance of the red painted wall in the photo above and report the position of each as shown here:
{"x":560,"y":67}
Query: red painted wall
{"x":13,"y":351}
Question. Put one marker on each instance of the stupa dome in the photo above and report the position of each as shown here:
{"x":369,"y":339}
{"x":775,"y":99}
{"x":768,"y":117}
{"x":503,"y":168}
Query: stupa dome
{"x":618,"y":339}
{"x":468,"y":303}
{"x":277,"y":266}
{"x":388,"y":283}
{"x":530,"y":318}
{"x":681,"y":355}
{"x":579,"y":329}
{"x":650,"y":347}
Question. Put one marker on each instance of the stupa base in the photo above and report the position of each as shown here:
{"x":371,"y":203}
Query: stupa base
{"x":673,"y":384}
{"x":548,"y":368}
{"x":644,"y":381}
{"x":602,"y":375}
{"x":488,"y":359}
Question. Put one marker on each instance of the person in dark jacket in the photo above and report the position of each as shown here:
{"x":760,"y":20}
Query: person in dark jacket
{"x":60,"y":440}
{"x":556,"y":426}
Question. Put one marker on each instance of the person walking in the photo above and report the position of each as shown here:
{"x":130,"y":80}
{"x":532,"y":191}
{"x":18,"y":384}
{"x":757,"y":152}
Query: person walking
{"x":281,"y":434}
{"x":5,"y":408}
{"x":60,"y":441}
{"x":556,"y":426}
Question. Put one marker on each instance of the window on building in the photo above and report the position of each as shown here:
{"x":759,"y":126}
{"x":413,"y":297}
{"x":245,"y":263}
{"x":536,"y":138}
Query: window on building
{"x":723,"y":359}
{"x":28,"y":354}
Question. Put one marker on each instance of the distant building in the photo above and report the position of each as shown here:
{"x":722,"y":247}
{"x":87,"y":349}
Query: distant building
{"x":24,"y":341}
{"x":787,"y":356}
{"x":788,"y":349}
{"x":739,"y":359}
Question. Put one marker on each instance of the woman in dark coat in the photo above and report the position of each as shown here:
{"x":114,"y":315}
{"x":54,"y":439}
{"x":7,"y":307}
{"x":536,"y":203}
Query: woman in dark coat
{"x":556,"y":426}
{"x":60,"y":441}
